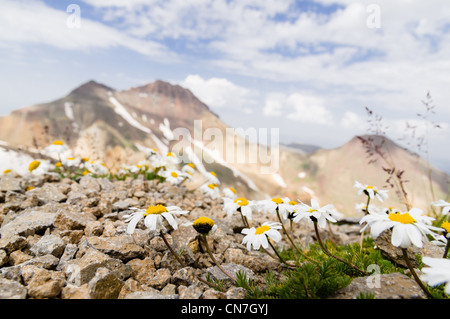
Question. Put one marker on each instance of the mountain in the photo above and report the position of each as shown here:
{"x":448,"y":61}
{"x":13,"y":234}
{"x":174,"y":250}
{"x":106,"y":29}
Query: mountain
{"x":99,"y":122}
{"x":330,"y":174}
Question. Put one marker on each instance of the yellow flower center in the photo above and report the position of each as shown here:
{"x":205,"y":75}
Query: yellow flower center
{"x":158,"y":209}
{"x":212,"y":186}
{"x":233,"y":190}
{"x":191,"y":165}
{"x":174,"y":174}
{"x":203,"y":221}
{"x":446,"y":226}
{"x":85,"y":172}
{"x":203,"y":225}
{"x":70,"y":158}
{"x":277,"y":200}
{"x":58,"y":142}
{"x":6,"y":171}
{"x":241,"y":201}
{"x":401,"y":218}
{"x":33,"y":165}
{"x":59,"y":164}
{"x":170,"y":154}
{"x":213,"y":174}
{"x":261,"y":229}
{"x":293,"y":202}
{"x":370,"y":187}
{"x":29,"y":188}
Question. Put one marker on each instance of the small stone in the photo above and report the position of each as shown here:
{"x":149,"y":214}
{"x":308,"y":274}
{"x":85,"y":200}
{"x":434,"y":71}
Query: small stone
{"x":11,"y":289}
{"x":49,"y":244}
{"x":105,"y":285}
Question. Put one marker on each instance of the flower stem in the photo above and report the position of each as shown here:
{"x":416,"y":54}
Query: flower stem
{"x":330,"y":254}
{"x":413,"y":272}
{"x":181,"y":262}
{"x":276,"y":252}
{"x":292,"y":242}
{"x":367,"y":212}
{"x":447,"y":247}
{"x":203,"y":236}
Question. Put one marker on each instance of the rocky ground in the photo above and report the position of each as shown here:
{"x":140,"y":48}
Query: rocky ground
{"x":67,"y":239}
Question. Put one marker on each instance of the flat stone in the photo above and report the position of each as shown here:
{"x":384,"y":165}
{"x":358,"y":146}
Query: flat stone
{"x":11,"y":289}
{"x":28,"y":223}
{"x":105,"y":285}
{"x":121,"y":247}
{"x":48,"y":193}
{"x":49,"y":244}
{"x":382,"y":286}
{"x":9,"y":182}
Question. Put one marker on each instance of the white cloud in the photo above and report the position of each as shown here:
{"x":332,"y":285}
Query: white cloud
{"x":308,"y":109}
{"x":33,"y":22}
{"x":353,"y":121}
{"x":220,"y":93}
{"x":274,"y":105}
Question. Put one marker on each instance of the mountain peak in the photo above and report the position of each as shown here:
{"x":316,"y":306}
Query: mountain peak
{"x":91,"y":87}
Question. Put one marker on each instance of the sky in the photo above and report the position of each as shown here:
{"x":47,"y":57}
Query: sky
{"x":307,"y":68}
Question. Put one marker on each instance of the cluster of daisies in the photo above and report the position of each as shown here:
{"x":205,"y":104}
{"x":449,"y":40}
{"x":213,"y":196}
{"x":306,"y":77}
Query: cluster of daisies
{"x":410,"y":228}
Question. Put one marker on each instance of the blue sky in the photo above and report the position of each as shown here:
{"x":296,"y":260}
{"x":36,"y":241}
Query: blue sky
{"x":306,"y":67}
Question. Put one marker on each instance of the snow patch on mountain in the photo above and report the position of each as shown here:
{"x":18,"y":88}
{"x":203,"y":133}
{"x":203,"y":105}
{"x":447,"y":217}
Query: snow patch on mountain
{"x":122,"y":111}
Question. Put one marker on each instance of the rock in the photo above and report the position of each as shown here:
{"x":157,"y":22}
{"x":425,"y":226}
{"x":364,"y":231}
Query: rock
{"x":217,"y":274}
{"x":3,"y":257}
{"x":70,"y":220}
{"x":382,"y":286}
{"x":28,"y":223}
{"x":45,"y":284}
{"x":395,"y":254}
{"x":160,"y":279}
{"x":10,"y":243}
{"x":49,"y":244}
{"x":9,"y":182}
{"x":120,"y":247}
{"x":11,"y":289}
{"x":81,"y":270}
{"x":48,"y":193}
{"x":105,"y":285}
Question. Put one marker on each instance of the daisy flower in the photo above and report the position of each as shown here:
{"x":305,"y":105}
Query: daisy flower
{"x":39,"y":167}
{"x":71,"y":162}
{"x":317,"y":213}
{"x":211,"y":190}
{"x":371,"y":191}
{"x":153,"y":217}
{"x":189,"y":168}
{"x":260,"y":236}
{"x":96,"y":167}
{"x":57,"y":147}
{"x":284,"y":206}
{"x":240,"y":204}
{"x":204,"y":225}
{"x":444,"y":204}
{"x":171,"y":160}
{"x":212,"y":178}
{"x":407,"y":228}
{"x":437,"y":273}
{"x":173,"y":176}
{"x":230,"y":192}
